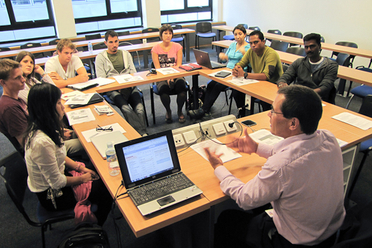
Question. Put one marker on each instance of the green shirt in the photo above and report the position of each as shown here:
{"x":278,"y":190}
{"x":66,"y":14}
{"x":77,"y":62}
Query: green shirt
{"x":268,"y":63}
{"x":117,"y":60}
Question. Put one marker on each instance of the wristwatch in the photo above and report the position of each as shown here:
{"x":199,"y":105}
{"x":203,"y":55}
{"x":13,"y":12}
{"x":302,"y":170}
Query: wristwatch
{"x":245,"y":74}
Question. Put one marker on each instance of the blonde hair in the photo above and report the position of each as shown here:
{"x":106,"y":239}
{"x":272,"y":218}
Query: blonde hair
{"x":65,"y":43}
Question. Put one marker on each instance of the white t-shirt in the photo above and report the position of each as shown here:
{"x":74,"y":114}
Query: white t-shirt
{"x":53,"y":65}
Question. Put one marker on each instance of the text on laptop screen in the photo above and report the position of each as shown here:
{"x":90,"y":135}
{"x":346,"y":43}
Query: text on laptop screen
{"x":148,"y":158}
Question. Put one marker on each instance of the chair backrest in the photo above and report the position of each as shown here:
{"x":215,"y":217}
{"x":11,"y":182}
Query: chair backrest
{"x":254,"y":28}
{"x":285,"y":67}
{"x":203,"y":27}
{"x":92,"y":36}
{"x":293,"y":34}
{"x":149,"y":30}
{"x":296,"y":50}
{"x":14,"y":174}
{"x":279,"y":45}
{"x":123,"y":33}
{"x":28,"y":45}
{"x":343,"y":59}
{"x":274,"y":31}
{"x":344,"y":43}
{"x":366,"y":108}
{"x":100,"y":45}
{"x":54,"y":42}
{"x":2,"y":49}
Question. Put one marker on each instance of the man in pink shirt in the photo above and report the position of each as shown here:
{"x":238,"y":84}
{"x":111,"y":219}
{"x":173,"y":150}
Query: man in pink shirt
{"x":302,"y":179}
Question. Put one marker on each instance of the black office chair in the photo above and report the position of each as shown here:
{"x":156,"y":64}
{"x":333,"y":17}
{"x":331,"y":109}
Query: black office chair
{"x":92,"y":36}
{"x":203,"y":30}
{"x":365,"y":146}
{"x":150,"y":30}
{"x":360,"y":91}
{"x":343,"y":59}
{"x":296,"y":50}
{"x":121,"y":33}
{"x":34,"y":44}
{"x":231,"y":36}
{"x":274,"y":31}
{"x":179,"y":38}
{"x":254,"y":28}
{"x":279,"y":45}
{"x":54,"y":42}
{"x":100,"y":45}
{"x":14,"y":174}
{"x":293,"y":34}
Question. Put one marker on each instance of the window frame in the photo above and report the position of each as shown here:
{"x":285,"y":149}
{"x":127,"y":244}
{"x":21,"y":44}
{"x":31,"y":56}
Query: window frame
{"x":113,"y":16}
{"x":14,"y":25}
{"x":187,"y":10}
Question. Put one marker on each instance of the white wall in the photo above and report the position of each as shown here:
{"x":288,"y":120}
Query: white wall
{"x":335,"y":20}
{"x":64,"y":18}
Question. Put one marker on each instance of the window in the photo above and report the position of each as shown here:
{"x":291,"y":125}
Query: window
{"x":178,"y":11}
{"x":101,"y":15}
{"x":19,"y":22}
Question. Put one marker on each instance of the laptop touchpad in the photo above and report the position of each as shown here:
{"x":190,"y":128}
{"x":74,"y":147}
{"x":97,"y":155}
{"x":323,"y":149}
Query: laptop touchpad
{"x":166,"y":200}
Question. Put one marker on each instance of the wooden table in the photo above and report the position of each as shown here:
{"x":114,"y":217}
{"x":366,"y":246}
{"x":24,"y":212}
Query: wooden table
{"x":326,"y":46}
{"x":185,"y":32}
{"x":344,"y":72}
{"x":192,"y":164}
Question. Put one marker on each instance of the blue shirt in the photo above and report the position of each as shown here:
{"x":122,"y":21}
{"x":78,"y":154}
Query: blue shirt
{"x":234,"y":55}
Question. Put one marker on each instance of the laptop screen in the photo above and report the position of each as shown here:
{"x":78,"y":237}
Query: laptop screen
{"x":147,"y":158}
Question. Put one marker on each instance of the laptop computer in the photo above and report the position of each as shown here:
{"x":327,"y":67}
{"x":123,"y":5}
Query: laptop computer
{"x":202,"y":58}
{"x":152,"y":174}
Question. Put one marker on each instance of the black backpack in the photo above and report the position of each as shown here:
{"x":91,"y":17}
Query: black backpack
{"x":85,"y":235}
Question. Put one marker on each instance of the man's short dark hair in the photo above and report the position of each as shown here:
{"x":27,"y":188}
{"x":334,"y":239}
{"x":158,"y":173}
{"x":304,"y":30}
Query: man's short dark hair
{"x":313,"y":36}
{"x":111,"y":33}
{"x":165,"y":27}
{"x":304,"y":104}
{"x":258,"y":33}
{"x":6,"y":67}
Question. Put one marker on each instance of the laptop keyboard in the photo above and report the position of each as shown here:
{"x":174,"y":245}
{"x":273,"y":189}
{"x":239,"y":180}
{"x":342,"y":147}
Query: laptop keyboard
{"x":160,"y":188}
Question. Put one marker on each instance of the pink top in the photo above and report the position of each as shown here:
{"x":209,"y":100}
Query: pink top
{"x":167,"y":59}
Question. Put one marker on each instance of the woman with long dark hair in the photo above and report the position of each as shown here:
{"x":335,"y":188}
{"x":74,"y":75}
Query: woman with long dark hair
{"x":49,"y":169}
{"x":29,"y":69}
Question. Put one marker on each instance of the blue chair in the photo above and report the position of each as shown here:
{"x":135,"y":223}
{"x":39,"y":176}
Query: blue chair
{"x":366,"y":146}
{"x":279,"y":45}
{"x":296,"y":50}
{"x":231,"y":36}
{"x":14,"y":174}
{"x":179,"y":38}
{"x":254,"y":28}
{"x":360,"y":91}
{"x":203,"y":30}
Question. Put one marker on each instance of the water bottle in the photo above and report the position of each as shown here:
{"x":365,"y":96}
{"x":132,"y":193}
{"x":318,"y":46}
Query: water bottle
{"x":90,"y":47}
{"x":112,"y":160}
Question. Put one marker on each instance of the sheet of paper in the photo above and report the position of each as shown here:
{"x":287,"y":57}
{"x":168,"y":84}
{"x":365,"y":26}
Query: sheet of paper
{"x":80,"y":99}
{"x":125,"y":78}
{"x":242,"y":81}
{"x":354,"y":120}
{"x":80,"y":116}
{"x":72,"y":94}
{"x":228,"y":153}
{"x":102,"y":81}
{"x":167,"y":70}
{"x":92,"y":132}
{"x":341,"y":143}
{"x":83,"y":85}
{"x":265,"y":136}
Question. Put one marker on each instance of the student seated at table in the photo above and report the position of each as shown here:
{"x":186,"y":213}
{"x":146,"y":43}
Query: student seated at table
{"x":168,"y":54}
{"x":45,"y":155}
{"x":302,"y":179}
{"x":314,"y":71}
{"x":112,"y":62}
{"x":233,"y":55}
{"x":14,"y":113}
{"x":64,"y":67}
{"x":265,"y":62}
{"x":27,"y":60}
